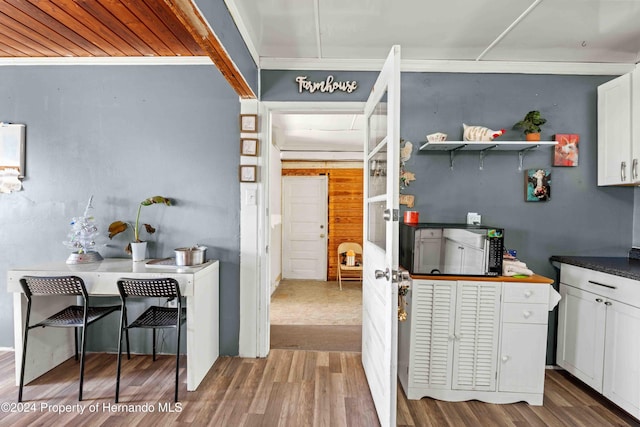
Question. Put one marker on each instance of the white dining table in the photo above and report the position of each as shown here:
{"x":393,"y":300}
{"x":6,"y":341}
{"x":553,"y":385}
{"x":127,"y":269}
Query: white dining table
{"x":49,"y":348}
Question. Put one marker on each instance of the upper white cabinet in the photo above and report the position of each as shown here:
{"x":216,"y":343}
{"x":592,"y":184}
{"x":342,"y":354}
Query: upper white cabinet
{"x":618,"y":133}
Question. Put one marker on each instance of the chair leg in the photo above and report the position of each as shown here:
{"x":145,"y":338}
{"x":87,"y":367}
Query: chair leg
{"x":154,"y":344}
{"x":175,"y":398}
{"x":84,"y":345}
{"x":75,"y":340}
{"x":339,"y":278}
{"x":123,"y":316}
{"x":126,"y":331}
{"x":24,"y":351}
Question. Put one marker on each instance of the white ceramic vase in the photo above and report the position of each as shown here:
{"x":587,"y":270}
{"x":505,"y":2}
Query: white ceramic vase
{"x":138,"y":251}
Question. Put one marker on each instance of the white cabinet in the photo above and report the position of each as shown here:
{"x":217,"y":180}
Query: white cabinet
{"x":525,"y":314}
{"x":581,"y":325}
{"x":460,"y":342}
{"x":599,"y":335}
{"x":618,"y":131}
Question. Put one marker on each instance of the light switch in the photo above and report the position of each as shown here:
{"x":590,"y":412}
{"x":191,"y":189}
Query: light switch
{"x":474,"y":218}
{"x":250,"y":195}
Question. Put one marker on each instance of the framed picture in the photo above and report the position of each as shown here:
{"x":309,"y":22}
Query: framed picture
{"x":249,"y":123}
{"x":12,"y":147}
{"x":248,"y":173}
{"x":566,"y":150}
{"x":537,"y":185}
{"x":248,"y":146}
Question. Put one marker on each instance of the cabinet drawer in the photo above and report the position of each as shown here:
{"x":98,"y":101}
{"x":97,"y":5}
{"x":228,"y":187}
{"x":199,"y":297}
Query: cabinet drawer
{"x":526,"y":292}
{"x":525,"y":313}
{"x":607,"y":285}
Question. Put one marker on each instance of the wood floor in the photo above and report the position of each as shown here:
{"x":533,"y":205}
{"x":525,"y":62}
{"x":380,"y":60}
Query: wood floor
{"x":289,"y":388}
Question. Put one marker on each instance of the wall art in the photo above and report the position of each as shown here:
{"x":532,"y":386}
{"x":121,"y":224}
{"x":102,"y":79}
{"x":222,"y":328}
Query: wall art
{"x":566,"y":150}
{"x":537,"y":185}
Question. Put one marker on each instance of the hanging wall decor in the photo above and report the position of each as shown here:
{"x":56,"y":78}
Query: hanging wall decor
{"x":249,"y":123}
{"x":566,"y":151}
{"x":537,"y":185}
{"x":248,"y":147}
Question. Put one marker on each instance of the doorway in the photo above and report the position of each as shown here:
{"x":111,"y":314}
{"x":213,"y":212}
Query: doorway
{"x":314,"y":314}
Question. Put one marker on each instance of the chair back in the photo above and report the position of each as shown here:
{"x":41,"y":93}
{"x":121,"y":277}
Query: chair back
{"x":53,"y":285}
{"x":346,"y":246}
{"x":160,"y":287}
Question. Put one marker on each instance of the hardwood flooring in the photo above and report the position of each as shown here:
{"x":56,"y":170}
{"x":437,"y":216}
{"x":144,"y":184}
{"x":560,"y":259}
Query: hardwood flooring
{"x":288,"y":388}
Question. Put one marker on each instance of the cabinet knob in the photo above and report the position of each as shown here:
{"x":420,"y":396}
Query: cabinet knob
{"x":608,"y":303}
{"x":527,"y":314}
{"x":452,"y":337}
{"x":599,"y":299}
{"x":505,"y":358}
{"x":527,"y":294}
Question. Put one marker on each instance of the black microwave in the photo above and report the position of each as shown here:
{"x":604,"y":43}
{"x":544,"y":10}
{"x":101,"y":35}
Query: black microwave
{"x":451,"y":249}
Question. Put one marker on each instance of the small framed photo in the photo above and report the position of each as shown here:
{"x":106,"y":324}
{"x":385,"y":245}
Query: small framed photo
{"x":566,"y":150}
{"x":248,"y":173}
{"x":249,"y":123}
{"x":537,"y":185}
{"x":248,"y":147}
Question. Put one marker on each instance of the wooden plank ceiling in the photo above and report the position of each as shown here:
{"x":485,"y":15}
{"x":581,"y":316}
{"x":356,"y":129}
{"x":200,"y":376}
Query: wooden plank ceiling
{"x":111,"y":28}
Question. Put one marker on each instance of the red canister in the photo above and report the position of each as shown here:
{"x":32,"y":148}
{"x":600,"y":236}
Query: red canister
{"x":411,"y":217}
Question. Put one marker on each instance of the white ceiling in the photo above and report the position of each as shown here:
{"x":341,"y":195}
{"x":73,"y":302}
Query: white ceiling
{"x":564,"y":36}
{"x":567,"y":31}
{"x":305,"y":132}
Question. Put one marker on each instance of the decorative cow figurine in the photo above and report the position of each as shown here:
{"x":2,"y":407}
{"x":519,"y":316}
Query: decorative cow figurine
{"x":480,"y":133}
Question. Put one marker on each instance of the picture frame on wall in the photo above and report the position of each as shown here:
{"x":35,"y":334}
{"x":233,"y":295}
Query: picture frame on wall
{"x":249,"y":147}
{"x":249,"y":123}
{"x":248,"y":173}
{"x":537,"y":185}
{"x":566,"y":150}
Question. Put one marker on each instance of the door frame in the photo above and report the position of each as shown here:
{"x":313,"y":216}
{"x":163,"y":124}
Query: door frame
{"x":255,"y":295}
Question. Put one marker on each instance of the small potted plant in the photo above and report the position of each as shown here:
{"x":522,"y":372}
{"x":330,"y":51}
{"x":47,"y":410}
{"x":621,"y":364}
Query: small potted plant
{"x":137,"y":248}
{"x":531,"y":125}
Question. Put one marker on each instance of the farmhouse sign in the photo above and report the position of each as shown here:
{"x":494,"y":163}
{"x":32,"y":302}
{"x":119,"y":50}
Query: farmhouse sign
{"x":329,"y":85}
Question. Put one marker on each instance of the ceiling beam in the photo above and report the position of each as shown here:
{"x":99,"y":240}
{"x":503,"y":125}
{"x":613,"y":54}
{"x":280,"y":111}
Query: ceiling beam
{"x":202,"y":33}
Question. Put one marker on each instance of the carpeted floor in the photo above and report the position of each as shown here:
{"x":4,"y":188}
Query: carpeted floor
{"x":314,"y":315}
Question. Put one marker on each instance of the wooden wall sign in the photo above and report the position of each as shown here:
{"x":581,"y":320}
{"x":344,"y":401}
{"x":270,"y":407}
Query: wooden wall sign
{"x":329,"y":85}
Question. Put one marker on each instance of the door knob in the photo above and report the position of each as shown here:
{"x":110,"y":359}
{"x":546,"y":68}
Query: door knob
{"x":380,"y":274}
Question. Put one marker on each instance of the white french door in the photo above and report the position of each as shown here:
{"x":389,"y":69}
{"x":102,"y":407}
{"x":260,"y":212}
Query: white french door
{"x":380,"y":292}
{"x":304,"y":224}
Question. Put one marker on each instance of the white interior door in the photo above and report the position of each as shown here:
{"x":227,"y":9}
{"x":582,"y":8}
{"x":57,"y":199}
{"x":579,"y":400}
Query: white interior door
{"x":304,"y":227}
{"x":380,"y":293}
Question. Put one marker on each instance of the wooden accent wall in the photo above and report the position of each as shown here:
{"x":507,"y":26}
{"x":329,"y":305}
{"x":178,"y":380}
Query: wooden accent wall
{"x":346,"y":189}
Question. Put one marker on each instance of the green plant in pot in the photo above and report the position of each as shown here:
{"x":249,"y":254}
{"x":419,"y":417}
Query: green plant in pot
{"x":118,"y":227}
{"x":531,"y":125}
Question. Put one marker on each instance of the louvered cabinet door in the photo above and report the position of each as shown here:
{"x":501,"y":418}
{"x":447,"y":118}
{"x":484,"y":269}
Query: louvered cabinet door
{"x":433,"y":309}
{"x":476,"y":336}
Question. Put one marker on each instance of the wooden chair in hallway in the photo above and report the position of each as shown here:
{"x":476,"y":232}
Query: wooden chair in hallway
{"x":354,"y":272}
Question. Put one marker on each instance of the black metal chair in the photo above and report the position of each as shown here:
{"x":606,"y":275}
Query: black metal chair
{"x":154,"y":317}
{"x":74,"y":316}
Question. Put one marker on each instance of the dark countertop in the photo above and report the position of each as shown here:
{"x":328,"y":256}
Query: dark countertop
{"x":618,"y":266}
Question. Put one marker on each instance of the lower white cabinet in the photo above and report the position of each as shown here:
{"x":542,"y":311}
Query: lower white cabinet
{"x":599,"y":334}
{"x":483,"y":340}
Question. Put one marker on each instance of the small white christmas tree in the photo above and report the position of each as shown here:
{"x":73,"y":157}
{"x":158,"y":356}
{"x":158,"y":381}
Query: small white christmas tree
{"x":81,"y":238}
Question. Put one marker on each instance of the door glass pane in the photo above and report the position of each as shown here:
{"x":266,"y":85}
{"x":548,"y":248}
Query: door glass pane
{"x":378,"y":123}
{"x":377,"y":224}
{"x":378,"y":173}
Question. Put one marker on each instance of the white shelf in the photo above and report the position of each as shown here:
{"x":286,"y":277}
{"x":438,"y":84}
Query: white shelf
{"x":484,"y":146}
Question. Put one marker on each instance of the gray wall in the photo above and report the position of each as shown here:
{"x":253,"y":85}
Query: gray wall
{"x":122,"y":134}
{"x":580,"y":219}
